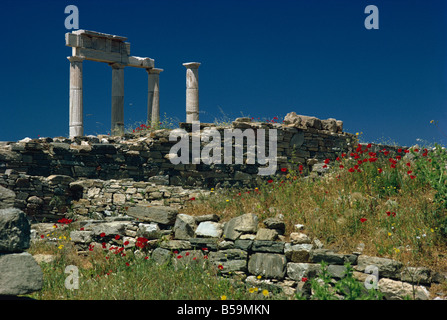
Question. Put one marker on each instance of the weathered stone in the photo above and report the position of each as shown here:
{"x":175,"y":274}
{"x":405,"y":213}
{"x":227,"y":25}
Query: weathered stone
{"x":149,"y":231}
{"x":298,"y":271}
{"x":209,"y":229}
{"x":184,"y":226}
{"x":204,"y":244}
{"x":268,"y":265}
{"x":397,"y":290}
{"x":268,"y":246}
{"x":208,"y":217}
{"x":328,"y":256}
{"x":159,"y":214}
{"x":266,"y":234}
{"x":243,"y":244}
{"x":231,"y":260}
{"x":161,"y":256}
{"x":246,"y":223}
{"x":19,"y":274}
{"x":388,"y":268}
{"x":417,"y":275}
{"x":59,"y":179}
{"x":299,"y":238}
{"x":336,"y":271}
{"x":297,"y":252}
{"x":109,"y":228}
{"x":15,"y":230}
{"x":276,"y":224}
{"x":81,"y":236}
{"x":175,"y":245}
{"x":7,"y":198}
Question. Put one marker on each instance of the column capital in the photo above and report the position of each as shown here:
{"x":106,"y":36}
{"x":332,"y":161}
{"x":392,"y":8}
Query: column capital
{"x":75,"y":59}
{"x":154,"y":70}
{"x":117,"y":65}
{"x":192,"y":65}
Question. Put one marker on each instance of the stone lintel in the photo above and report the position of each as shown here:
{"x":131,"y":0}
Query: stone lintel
{"x":192,"y":65}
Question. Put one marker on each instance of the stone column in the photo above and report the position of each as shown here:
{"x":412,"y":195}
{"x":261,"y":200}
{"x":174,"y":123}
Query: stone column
{"x":117,"y":99}
{"x":76,"y":121}
{"x":192,"y":91}
{"x":153,"y":97}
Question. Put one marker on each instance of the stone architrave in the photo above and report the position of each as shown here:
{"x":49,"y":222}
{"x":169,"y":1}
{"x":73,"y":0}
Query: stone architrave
{"x":153,"y":97}
{"x":76,"y":122}
{"x":192,"y":91}
{"x":117,"y":99}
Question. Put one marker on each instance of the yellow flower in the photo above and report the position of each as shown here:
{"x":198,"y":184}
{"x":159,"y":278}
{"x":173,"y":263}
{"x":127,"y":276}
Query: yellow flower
{"x":389,"y":233}
{"x":431,"y":229}
{"x":224,"y":297}
{"x":396,"y":250}
{"x":356,"y":133}
{"x":251,"y":290}
{"x":431,"y":121}
{"x":61,"y":246}
{"x":259,"y":277}
{"x":227,"y":200}
{"x":265,"y":293}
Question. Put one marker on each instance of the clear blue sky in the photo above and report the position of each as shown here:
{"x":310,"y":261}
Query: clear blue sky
{"x":259,"y":59}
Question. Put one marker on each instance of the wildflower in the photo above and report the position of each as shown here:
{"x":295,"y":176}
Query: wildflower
{"x":192,"y":199}
{"x":82,"y":229}
{"x":351,"y":169}
{"x":412,"y":177}
{"x":270,"y":181}
{"x":409,"y":172}
{"x":251,"y":290}
{"x":127,"y":264}
{"x":186,"y":254}
{"x":117,"y":237}
{"x":265,"y":293}
{"x":223,"y":297}
{"x":341,"y":166}
{"x":61,"y":246}
{"x":102,"y":234}
{"x":146,"y":257}
{"x":220,"y":267}
{"x":283,"y":169}
{"x":408,"y":164}
{"x":304,"y":279}
{"x":259,"y":277}
{"x":363,"y":220}
{"x":42,"y":236}
{"x":327,"y":161}
{"x":126,"y":243}
{"x":179,"y":256}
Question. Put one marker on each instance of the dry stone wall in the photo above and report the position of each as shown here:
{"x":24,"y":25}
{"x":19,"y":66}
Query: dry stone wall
{"x":255,"y":252}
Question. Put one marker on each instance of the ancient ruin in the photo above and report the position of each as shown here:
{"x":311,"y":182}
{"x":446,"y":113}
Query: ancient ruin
{"x":113,"y":50}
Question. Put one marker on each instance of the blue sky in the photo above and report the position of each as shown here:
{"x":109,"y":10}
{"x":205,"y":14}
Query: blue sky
{"x":259,"y":59}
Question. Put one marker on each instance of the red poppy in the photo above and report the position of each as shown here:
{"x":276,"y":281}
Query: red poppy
{"x":369,"y":145}
{"x":102,"y":234}
{"x":127,"y":264}
{"x":270,"y":181}
{"x":379,"y":170}
{"x":192,"y":199}
{"x":42,"y":236}
{"x":416,"y":150}
{"x":341,"y":166}
{"x":407,"y":151}
{"x":117,"y":237}
{"x":409,"y":172}
{"x":408,"y":164}
{"x":363,"y":220}
{"x":393,"y":166}
{"x":412,"y":177}
{"x":399,"y":150}
{"x":327,"y":161}
{"x":220,"y":267}
{"x":283,"y":169}
{"x":146,"y":257}
{"x":304,"y":279}
{"x":126,"y":243}
{"x":325,"y":166}
{"x":179,"y":256}
{"x":351,"y":169}
{"x":82,"y":229}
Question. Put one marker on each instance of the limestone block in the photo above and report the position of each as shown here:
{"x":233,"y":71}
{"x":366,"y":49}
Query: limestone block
{"x":268,"y":265}
{"x":209,"y":229}
{"x":397,"y":290}
{"x":159,"y":214}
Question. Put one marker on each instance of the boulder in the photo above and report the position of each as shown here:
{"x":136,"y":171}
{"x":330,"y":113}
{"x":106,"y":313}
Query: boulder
{"x":298,"y":271}
{"x":15,"y":230}
{"x":149,"y":231}
{"x":19,"y":274}
{"x":388,"y":268}
{"x":297,"y":252}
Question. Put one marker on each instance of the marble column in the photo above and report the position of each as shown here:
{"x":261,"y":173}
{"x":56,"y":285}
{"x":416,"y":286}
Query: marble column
{"x":76,"y":121}
{"x":153,"y":97}
{"x":117,"y":99}
{"x":192,"y":91}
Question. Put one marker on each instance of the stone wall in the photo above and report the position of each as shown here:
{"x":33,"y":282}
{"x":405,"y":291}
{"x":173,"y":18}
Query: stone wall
{"x":256,"y":252}
{"x":301,"y":140}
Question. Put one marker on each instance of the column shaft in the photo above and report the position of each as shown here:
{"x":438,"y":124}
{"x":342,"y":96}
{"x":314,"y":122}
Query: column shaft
{"x":76,"y":121}
{"x":117,"y":127}
{"x":153,"y":97}
{"x":192,"y":91}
